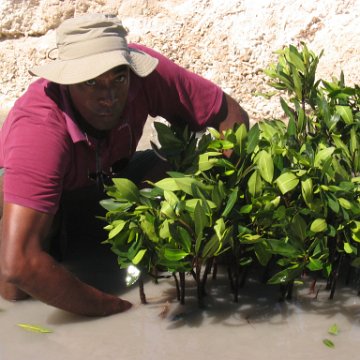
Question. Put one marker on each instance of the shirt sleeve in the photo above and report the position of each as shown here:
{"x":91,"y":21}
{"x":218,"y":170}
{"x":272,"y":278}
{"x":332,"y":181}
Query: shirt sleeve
{"x":35,"y":162}
{"x":179,"y":95}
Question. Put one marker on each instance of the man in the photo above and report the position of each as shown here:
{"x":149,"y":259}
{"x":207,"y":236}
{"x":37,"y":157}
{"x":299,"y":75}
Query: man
{"x":82,"y":120}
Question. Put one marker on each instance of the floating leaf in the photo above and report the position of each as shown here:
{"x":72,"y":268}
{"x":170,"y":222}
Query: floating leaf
{"x":333,"y":329}
{"x":35,"y":328}
{"x":329,"y":343}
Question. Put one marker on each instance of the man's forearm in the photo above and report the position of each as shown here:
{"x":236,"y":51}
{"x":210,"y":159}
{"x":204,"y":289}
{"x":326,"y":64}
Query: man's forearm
{"x":235,"y":115}
{"x":46,"y":280}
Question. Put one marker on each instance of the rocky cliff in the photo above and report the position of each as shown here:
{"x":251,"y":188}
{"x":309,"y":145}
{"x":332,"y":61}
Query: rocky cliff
{"x":227,"y":41}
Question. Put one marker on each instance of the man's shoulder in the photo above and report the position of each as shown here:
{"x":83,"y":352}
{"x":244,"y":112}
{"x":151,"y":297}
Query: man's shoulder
{"x":41,"y":104}
{"x":41,"y":98}
{"x":43,"y":91}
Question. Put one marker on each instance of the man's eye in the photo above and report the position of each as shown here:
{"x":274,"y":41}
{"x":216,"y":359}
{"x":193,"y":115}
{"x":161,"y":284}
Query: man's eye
{"x":121,"y":79}
{"x":91,"y":82}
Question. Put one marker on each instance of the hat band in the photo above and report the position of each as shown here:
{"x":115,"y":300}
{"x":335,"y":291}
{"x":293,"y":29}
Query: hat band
{"x":92,"y":47}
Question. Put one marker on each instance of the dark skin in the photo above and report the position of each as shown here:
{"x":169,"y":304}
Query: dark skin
{"x":26,"y":268}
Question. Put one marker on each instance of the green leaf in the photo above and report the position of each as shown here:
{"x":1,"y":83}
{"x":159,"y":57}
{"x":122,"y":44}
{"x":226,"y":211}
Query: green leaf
{"x":185,"y":184}
{"x":296,"y":59}
{"x":167,"y":210}
{"x":211,"y":247}
{"x":307,"y":190}
{"x":323,"y":155}
{"x":185,"y":239}
{"x":318,"y":225}
{"x":166,"y":136}
{"x":329,"y":343}
{"x":265,"y":165}
{"x":287,"y":182}
{"x":346,"y":113}
{"x":139,"y":256}
{"x":301,"y":120}
{"x":168,"y":184}
{"x":298,"y":227}
{"x":218,"y":194}
{"x":110,"y":204}
{"x":205,"y":163}
{"x":126,"y":189}
{"x":356,"y":262}
{"x":346,"y":204}
{"x":297,"y":84}
{"x":35,"y":328}
{"x":284,"y":276}
{"x":214,"y":133}
{"x":231,"y":202}
{"x":348,"y":248}
{"x":200,"y":221}
{"x":333,"y":329}
{"x":340,"y":144}
{"x":119,"y":225}
{"x":255,"y":184}
{"x":253,"y":139}
{"x":283,"y":248}
{"x":333,"y":203}
{"x":241,"y":135}
{"x":262,"y":253}
{"x":290,"y":113}
{"x":315,"y":264}
{"x":174,"y":254}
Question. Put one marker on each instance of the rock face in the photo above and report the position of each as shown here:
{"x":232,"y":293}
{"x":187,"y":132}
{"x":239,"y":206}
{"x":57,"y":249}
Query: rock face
{"x":229,"y":42}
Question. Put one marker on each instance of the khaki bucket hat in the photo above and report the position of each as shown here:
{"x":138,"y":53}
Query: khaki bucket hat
{"x":90,"y":45}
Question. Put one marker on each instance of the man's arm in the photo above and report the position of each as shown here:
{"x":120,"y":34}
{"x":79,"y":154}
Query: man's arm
{"x":25,"y":265}
{"x":234,"y":114}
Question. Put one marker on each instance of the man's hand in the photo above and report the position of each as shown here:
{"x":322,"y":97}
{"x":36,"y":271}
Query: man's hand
{"x":26,"y":268}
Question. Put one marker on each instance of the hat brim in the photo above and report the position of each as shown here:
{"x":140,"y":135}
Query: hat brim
{"x":76,"y":71}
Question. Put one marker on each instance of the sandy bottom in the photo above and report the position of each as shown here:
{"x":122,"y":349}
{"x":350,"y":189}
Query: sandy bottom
{"x":258,"y":327}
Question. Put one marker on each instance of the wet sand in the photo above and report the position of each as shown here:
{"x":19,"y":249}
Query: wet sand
{"x":258,"y":327}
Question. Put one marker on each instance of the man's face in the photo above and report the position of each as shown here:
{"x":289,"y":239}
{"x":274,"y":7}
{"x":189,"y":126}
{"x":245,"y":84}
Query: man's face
{"x":101,"y":101}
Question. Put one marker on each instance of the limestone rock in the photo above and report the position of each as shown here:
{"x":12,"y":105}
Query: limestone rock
{"x":229,"y":42}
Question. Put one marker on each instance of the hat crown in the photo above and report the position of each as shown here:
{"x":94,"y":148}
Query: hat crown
{"x":90,"y":34}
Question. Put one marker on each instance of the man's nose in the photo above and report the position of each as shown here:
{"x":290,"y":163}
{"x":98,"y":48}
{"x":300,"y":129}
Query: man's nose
{"x":108,"y":96}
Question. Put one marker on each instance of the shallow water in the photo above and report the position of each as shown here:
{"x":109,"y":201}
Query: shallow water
{"x":258,"y":327}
